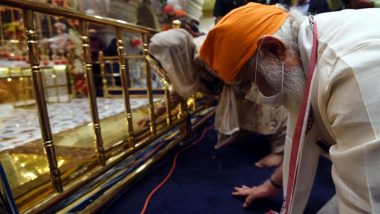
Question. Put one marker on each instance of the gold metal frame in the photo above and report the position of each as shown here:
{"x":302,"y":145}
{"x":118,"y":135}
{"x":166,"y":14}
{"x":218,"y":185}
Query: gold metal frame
{"x":134,"y":141}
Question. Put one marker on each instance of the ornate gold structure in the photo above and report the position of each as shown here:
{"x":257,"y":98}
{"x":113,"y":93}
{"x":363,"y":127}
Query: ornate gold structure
{"x":70,"y":167}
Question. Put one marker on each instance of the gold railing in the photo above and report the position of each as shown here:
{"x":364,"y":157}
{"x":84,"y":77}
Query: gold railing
{"x":106,"y":158}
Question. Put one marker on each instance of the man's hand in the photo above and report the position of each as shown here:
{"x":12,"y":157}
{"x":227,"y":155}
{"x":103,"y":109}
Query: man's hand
{"x":158,"y":111}
{"x":264,"y":190}
{"x":161,"y":108}
{"x":144,"y":121}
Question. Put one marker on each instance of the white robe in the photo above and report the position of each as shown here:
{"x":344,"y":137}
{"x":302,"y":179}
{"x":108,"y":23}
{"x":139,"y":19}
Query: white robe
{"x":345,"y":99}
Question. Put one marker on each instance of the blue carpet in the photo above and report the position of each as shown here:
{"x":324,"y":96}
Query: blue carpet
{"x":204,"y":179}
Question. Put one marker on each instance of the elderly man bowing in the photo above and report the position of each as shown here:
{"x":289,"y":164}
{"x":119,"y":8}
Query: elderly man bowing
{"x":173,"y":53}
{"x":325,"y":71}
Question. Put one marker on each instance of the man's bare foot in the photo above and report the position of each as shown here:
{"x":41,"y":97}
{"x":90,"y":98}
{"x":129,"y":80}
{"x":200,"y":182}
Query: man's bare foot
{"x":270,"y":160}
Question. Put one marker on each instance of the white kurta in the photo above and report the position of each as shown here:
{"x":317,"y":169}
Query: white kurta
{"x":346,"y":105}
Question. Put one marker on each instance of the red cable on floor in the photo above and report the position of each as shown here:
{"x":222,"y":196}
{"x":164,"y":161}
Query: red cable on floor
{"x":171,"y":170}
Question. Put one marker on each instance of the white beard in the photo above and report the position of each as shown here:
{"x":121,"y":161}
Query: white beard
{"x":294,"y":81}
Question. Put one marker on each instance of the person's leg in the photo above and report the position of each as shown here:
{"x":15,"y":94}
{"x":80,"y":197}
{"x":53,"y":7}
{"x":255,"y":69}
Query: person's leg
{"x":271,"y":160}
{"x":275,"y":157}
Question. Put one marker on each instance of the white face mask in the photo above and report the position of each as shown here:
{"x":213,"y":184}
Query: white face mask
{"x":276,"y":99}
{"x":255,"y":95}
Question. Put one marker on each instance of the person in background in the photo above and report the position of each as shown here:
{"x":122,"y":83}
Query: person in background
{"x":324,"y":70}
{"x":359,"y":4}
{"x":352,"y":4}
{"x":336,"y":5}
{"x":190,"y":26}
{"x":175,"y":51}
{"x":222,"y":7}
{"x":96,"y":43}
{"x":313,"y":7}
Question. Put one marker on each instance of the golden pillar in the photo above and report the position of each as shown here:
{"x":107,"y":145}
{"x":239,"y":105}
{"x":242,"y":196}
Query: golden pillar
{"x":184,"y":113}
{"x":176,"y":24}
{"x":149,"y":86}
{"x":47,"y":137}
{"x":92,"y":94}
{"x":168,"y":106}
{"x":103,"y":73}
{"x":125,"y":84}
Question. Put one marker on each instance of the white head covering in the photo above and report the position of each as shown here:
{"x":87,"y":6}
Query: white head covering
{"x":175,"y":50}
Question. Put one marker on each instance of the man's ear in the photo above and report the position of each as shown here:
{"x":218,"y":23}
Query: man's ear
{"x":270,"y":45}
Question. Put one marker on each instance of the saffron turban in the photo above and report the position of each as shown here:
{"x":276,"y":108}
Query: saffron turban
{"x":233,"y":40}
